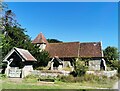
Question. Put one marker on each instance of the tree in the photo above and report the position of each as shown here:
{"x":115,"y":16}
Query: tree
{"x":14,"y":36}
{"x":53,"y":41}
{"x":43,"y":59}
{"x":111,"y":56}
{"x":111,"y":53}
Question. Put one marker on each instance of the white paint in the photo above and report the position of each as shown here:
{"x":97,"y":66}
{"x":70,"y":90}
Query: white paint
{"x":27,"y":70}
{"x":52,"y":65}
{"x":101,"y":49}
{"x":104,"y":63}
{"x":42,"y":47}
{"x":60,"y":67}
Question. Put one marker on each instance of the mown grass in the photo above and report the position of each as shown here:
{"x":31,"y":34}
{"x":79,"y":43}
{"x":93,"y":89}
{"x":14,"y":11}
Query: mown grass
{"x":57,"y":85}
{"x":52,"y":86}
{"x":30,"y":82}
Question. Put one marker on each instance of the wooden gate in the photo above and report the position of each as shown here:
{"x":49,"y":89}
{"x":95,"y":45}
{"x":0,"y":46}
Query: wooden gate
{"x":15,"y":72}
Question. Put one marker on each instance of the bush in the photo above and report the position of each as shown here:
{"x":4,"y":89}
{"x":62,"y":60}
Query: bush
{"x":39,"y":68}
{"x":114,"y":77}
{"x":31,"y":78}
{"x":69,"y":78}
{"x":119,"y":68}
{"x":118,"y":75}
{"x":47,"y":78}
{"x":67,"y":69}
{"x":3,"y":76}
{"x":86,"y":78}
{"x":113,"y":64}
{"x":80,"y":69}
{"x":73,"y":73}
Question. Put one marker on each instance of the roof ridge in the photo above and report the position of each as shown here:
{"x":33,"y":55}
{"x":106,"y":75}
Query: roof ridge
{"x":90,"y":42}
{"x":64,"y":42}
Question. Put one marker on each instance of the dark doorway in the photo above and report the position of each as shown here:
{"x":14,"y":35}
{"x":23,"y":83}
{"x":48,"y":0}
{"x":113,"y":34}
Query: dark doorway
{"x":102,"y":66}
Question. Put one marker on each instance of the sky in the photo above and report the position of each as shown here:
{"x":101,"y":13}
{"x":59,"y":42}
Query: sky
{"x":70,"y":21}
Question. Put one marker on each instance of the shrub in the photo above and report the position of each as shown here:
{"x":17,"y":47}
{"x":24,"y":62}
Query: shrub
{"x":113,"y":77}
{"x":46,"y":78}
{"x":3,"y":76}
{"x":80,"y":68}
{"x":73,"y":73}
{"x":31,"y":78}
{"x":86,"y":78}
{"x":39,"y":68}
{"x":69,"y":78}
{"x":67,"y":69}
{"x":118,"y":75}
{"x":113,"y":64}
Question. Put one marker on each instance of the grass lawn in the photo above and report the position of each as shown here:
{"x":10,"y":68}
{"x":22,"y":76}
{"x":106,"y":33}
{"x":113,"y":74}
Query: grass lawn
{"x":8,"y":84}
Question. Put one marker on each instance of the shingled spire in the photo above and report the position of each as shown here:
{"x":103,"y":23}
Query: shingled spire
{"x":40,"y":39}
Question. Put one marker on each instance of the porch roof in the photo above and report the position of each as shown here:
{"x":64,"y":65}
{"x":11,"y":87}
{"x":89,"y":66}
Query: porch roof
{"x":24,"y":54}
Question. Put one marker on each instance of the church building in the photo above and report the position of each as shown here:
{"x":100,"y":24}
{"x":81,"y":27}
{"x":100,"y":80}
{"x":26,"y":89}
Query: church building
{"x":63,"y":54}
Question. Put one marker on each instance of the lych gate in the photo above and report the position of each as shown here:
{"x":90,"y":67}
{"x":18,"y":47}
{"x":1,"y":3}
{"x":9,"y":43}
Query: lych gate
{"x":19,"y":63}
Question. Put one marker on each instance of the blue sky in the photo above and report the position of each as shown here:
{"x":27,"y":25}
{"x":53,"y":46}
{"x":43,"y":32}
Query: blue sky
{"x":69,"y":22}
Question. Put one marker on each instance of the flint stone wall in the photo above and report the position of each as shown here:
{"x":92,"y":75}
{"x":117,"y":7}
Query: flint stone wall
{"x":52,"y":74}
{"x":94,"y":65}
{"x":103,"y":73}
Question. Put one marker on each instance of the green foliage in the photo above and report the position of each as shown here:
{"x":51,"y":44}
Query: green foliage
{"x":31,"y":78}
{"x":3,"y":76}
{"x":39,"y":68}
{"x":80,"y":68}
{"x":53,"y":41}
{"x":119,"y":69}
{"x":111,"y":53}
{"x":14,"y":36}
{"x":87,"y":78}
{"x":1,"y":45}
{"x":42,"y":59}
{"x":69,"y":78}
{"x":47,"y":79}
{"x":113,"y":64}
{"x":67,"y":68}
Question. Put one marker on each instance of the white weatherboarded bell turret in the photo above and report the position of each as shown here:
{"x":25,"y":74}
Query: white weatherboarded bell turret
{"x":40,"y":41}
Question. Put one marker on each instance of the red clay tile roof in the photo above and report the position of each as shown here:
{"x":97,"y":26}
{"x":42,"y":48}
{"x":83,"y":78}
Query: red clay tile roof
{"x":39,"y":39}
{"x":91,"y":49}
{"x":75,"y":49}
{"x":25,"y":54}
{"x":63,"y":49}
{"x":70,"y":49}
